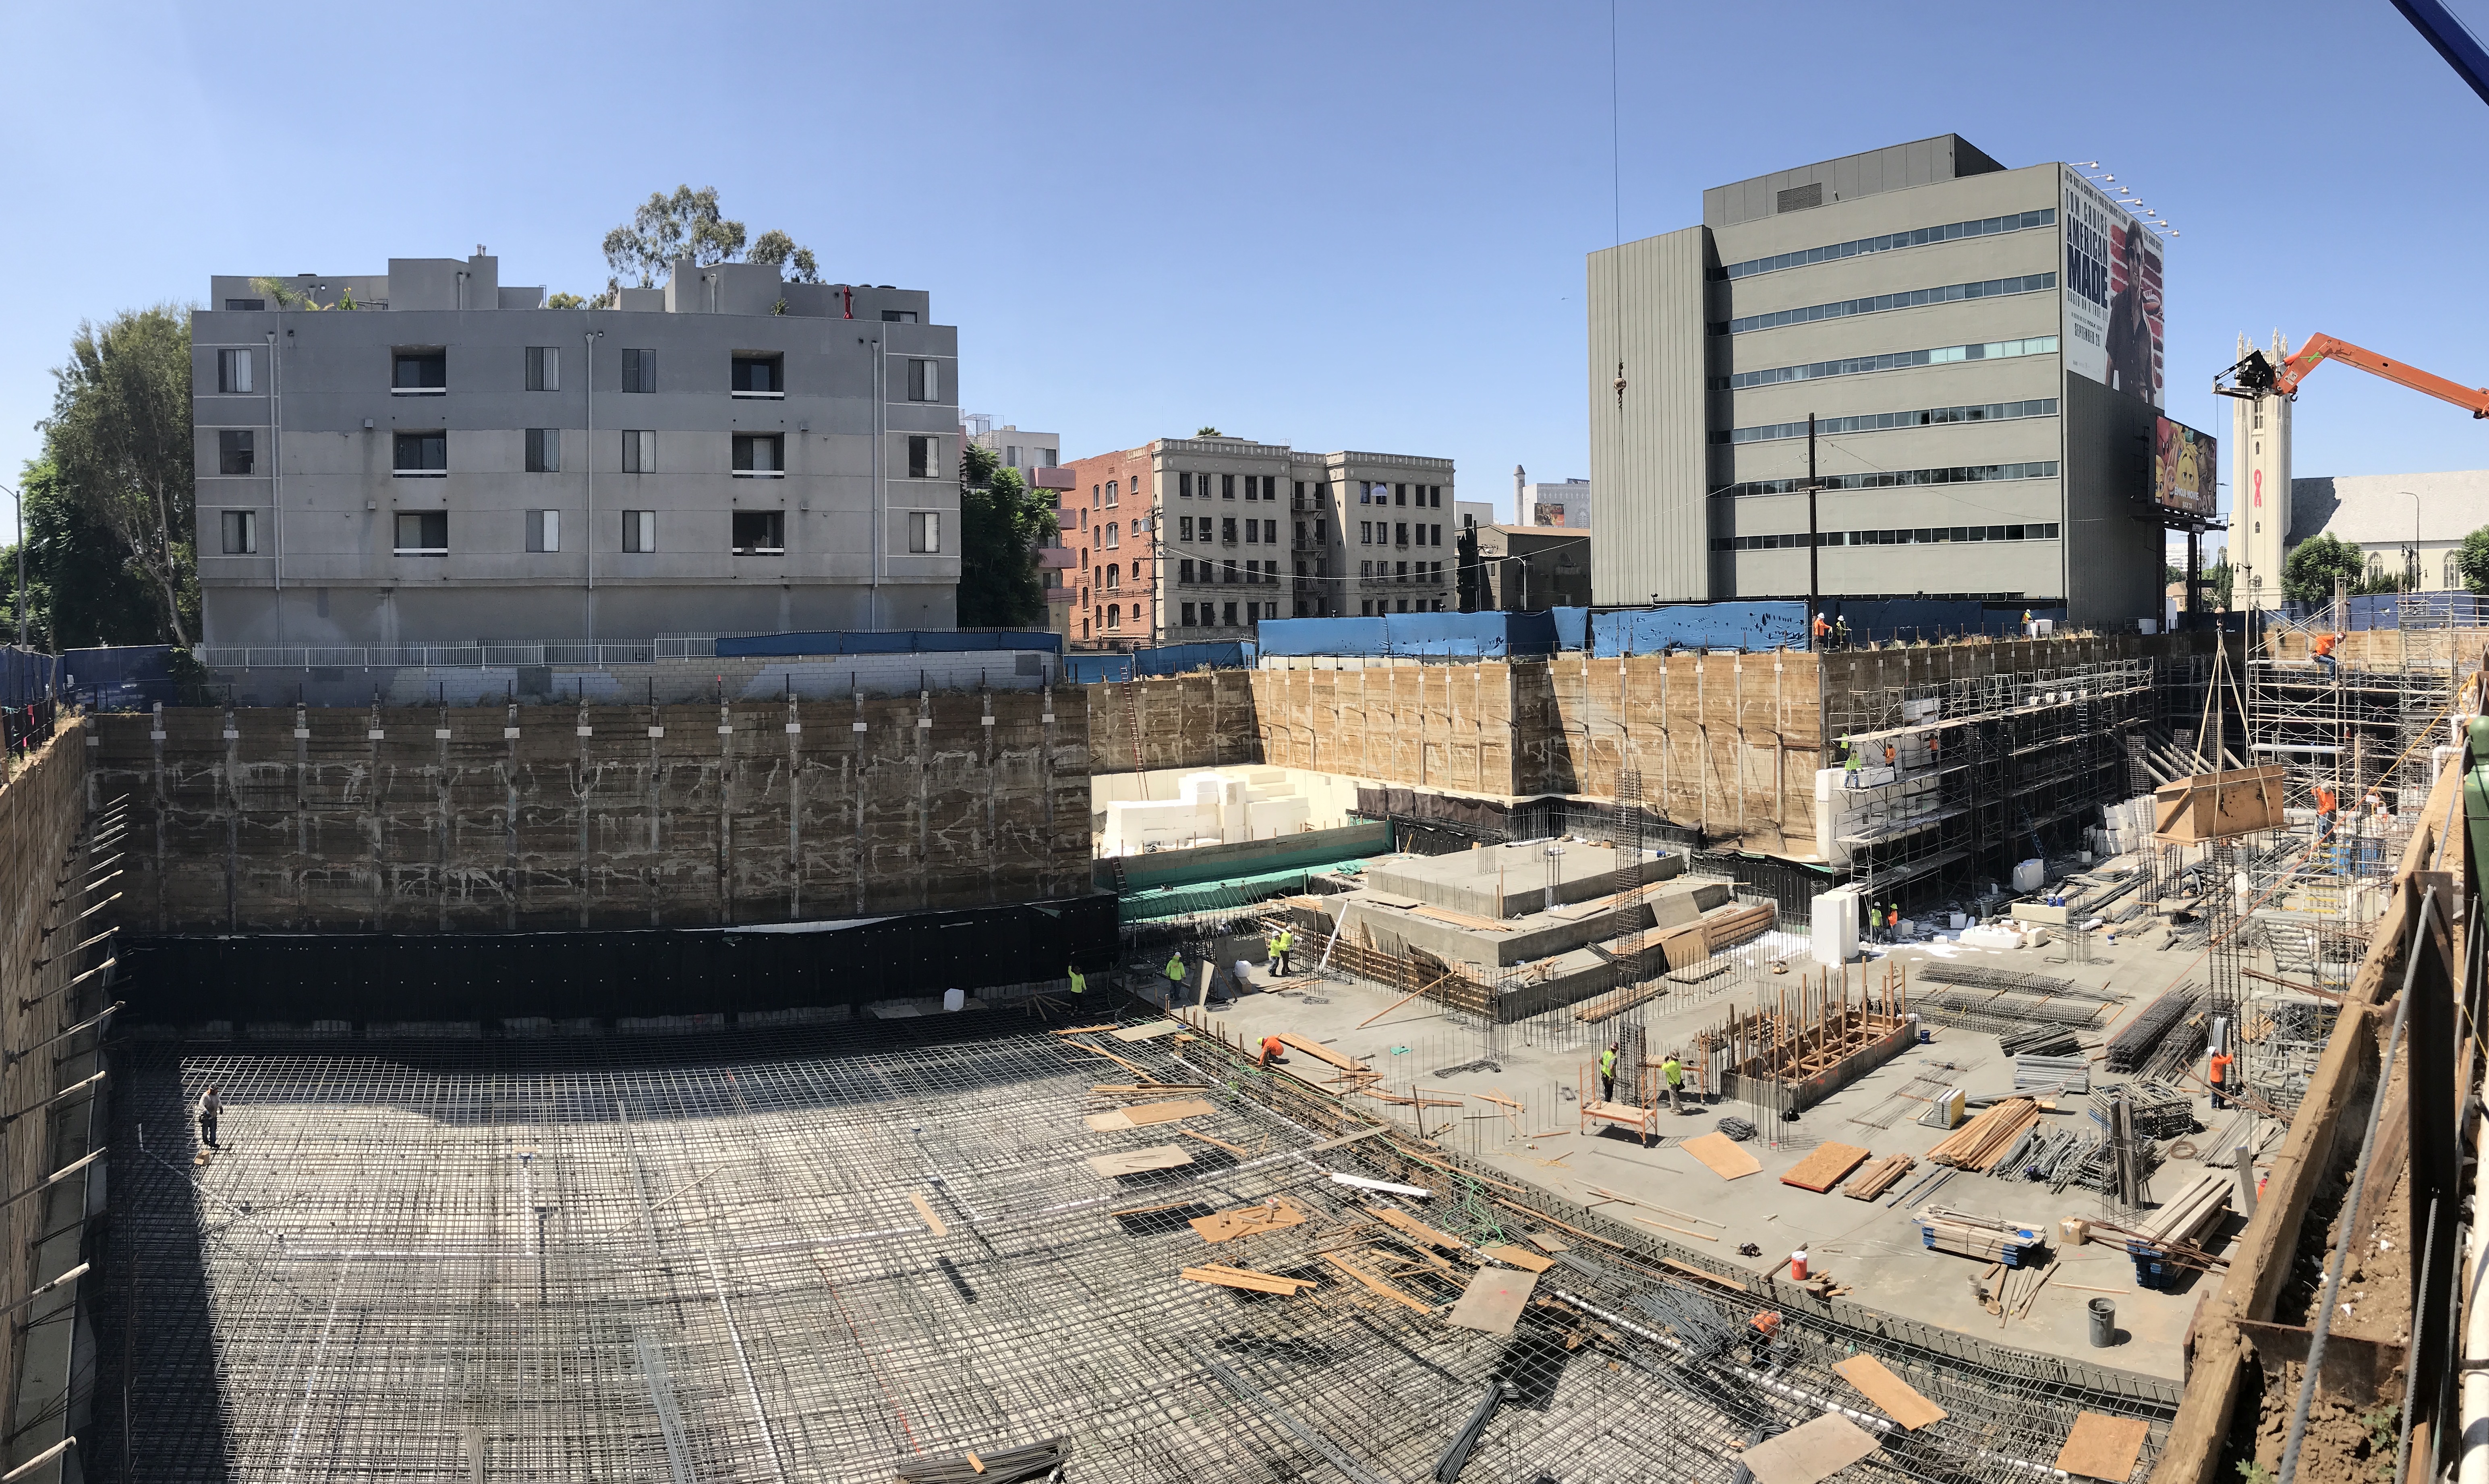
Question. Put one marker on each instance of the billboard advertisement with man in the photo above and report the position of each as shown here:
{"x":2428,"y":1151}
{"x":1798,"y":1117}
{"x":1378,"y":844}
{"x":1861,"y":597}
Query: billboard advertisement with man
{"x":2185,"y":469}
{"x":2113,"y":305}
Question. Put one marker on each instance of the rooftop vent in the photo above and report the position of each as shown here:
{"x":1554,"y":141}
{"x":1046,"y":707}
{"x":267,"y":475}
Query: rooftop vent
{"x":1798,"y":198}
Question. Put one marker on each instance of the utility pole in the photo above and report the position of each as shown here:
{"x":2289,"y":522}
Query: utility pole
{"x":1814,"y":551}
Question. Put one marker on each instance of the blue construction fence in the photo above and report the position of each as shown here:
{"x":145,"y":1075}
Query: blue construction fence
{"x":121,"y":677}
{"x":28,"y":677}
{"x":2384,"y":611}
{"x":894,"y":642}
{"x":1486,"y":635}
{"x":1755,"y":625}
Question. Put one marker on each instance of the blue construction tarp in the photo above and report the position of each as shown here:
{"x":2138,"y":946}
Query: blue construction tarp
{"x":1772,"y":623}
{"x":120,"y":677}
{"x":1090,"y":669}
{"x":2384,"y":609}
{"x":1572,"y":627}
{"x":1176,"y":659}
{"x":894,"y":642}
{"x":27,"y":676}
{"x":1487,"y":636}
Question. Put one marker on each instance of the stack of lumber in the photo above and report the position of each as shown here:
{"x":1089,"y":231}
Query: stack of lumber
{"x":1617,"y":1002}
{"x":2061,"y":1073}
{"x":1877,"y":1175}
{"x":1986,"y":1237}
{"x":2176,"y":1228}
{"x":1723,"y":928}
{"x":1978,"y":1145}
{"x":1826,"y":1167}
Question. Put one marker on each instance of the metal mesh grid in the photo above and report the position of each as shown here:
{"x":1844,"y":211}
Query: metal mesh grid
{"x":700,"y":1260}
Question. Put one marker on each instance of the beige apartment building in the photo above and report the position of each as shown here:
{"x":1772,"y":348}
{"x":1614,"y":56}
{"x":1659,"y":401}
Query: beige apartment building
{"x":1189,"y":539}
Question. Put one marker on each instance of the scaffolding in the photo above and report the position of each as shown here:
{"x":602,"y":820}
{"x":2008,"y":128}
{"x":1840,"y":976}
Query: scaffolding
{"x":861,"y":1251}
{"x":1983,"y":771}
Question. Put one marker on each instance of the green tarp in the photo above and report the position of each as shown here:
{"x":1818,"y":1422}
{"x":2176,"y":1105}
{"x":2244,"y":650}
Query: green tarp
{"x":1231,"y":892}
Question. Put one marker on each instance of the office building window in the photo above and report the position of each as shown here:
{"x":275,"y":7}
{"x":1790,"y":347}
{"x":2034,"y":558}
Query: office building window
{"x":1228,"y":530}
{"x":1364,"y":492}
{"x":923,"y":457}
{"x":419,"y":371}
{"x":1183,"y":571}
{"x":1882,"y":303}
{"x":1400,"y":534}
{"x":420,"y":455}
{"x":1898,"y":478}
{"x":1253,"y":533}
{"x":544,"y":368}
{"x":924,"y":531}
{"x":241,"y":530}
{"x":1365,"y":569}
{"x":1111,"y":541}
{"x":246,"y":306}
{"x":1366,"y":532}
{"x":1861,"y":365}
{"x":1365,"y":607}
{"x":1228,"y":572}
{"x":639,"y":370}
{"x":760,"y":455}
{"x":1184,"y":486}
{"x":232,"y":371}
{"x":1923,"y":535}
{"x":1402,"y":575}
{"x":1110,"y":492}
{"x":1229,"y":619}
{"x":1184,"y":528}
{"x":1114,"y":576}
{"x":1188,"y":614}
{"x":1920,"y":237}
{"x":544,"y":530}
{"x":757,"y":376}
{"x":544,"y":450}
{"x":1399,"y":493}
{"x":1227,"y":486}
{"x":924,"y":381}
{"x":1321,"y":532}
{"x":1878,"y":423}
{"x":899,"y":316}
{"x":639,"y":530}
{"x":236,"y":451}
{"x":424,"y":533}
{"x":640,"y":451}
{"x":759,"y":532}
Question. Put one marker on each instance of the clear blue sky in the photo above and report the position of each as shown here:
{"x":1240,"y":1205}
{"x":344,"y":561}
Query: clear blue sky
{"x":1340,"y":225}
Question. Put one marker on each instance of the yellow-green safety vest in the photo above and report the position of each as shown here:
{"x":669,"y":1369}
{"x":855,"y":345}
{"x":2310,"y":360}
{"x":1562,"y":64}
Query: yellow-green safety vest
{"x":1079,"y":982}
{"x":1674,"y":1070}
{"x":1175,"y":968}
{"x":1607,"y":1063}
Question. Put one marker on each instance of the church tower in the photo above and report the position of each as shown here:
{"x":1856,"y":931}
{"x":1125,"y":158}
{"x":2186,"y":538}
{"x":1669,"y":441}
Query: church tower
{"x":2259,"y":492}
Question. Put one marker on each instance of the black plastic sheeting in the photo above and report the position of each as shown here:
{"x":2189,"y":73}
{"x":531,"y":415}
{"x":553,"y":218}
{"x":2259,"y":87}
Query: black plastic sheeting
{"x":480,"y":975}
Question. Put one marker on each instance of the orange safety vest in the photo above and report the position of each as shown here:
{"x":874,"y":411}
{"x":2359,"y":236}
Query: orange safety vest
{"x":2325,"y":801}
{"x":2325,"y":643}
{"x":2221,"y":1070}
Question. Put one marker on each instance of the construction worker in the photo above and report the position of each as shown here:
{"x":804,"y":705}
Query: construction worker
{"x":1079,"y":980}
{"x":2322,"y":652}
{"x":1282,"y":944}
{"x":212,"y":1106}
{"x":1274,"y":1051}
{"x":1851,"y":763}
{"x":2218,"y":1075}
{"x":1608,"y":1072}
{"x":1672,"y":1072}
{"x":1175,"y":977}
{"x":1888,"y":752}
{"x":1841,"y":632}
{"x":1893,"y":922}
{"x":1823,"y":631}
{"x":2327,"y":801}
{"x":2027,"y":630}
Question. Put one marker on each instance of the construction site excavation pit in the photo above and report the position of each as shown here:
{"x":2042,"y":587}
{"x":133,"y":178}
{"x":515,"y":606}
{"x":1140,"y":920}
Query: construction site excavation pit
{"x":866,"y":1251}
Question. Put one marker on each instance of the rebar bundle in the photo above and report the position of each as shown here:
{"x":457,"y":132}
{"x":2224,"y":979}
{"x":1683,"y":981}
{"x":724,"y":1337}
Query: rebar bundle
{"x":2134,"y":1045}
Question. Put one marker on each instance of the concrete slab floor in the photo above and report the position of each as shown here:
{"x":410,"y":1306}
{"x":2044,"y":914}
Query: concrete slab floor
{"x":1873,"y":1247}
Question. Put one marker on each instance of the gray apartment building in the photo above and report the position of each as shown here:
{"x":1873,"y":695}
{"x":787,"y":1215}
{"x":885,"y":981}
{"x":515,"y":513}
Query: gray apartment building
{"x":1201,"y":538}
{"x":428,"y":456}
{"x":1980,"y":348}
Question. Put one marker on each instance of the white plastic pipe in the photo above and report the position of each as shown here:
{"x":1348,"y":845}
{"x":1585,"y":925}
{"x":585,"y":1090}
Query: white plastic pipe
{"x":2474,"y":1465}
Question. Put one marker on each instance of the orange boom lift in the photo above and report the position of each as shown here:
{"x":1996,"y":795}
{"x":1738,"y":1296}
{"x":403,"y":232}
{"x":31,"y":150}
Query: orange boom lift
{"x":2258,"y":375}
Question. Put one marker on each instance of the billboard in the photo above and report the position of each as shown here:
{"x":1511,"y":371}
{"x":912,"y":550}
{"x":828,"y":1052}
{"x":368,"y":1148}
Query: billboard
{"x":2112,"y":295}
{"x":1548,"y":515}
{"x":2185,"y":469}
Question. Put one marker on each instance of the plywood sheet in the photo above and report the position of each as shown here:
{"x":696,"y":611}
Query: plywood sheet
{"x":1168,"y":1112}
{"x":1320,"y":1052}
{"x":1810,"y":1452}
{"x":1148,"y":1030}
{"x":2104,"y":1447}
{"x":1892,"y":1395}
{"x":1139,"y":1161}
{"x":1826,"y":1167}
{"x":1521,"y":1257}
{"x":1722,"y":1156}
{"x":1247,"y":1220}
{"x":1492,"y":1301}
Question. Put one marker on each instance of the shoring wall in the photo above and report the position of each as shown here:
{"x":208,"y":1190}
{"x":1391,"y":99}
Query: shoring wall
{"x":43,"y":808}
{"x":1725,"y":743}
{"x":416,"y":820}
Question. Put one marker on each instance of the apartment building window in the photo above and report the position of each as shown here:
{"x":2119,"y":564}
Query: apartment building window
{"x":424,"y":533}
{"x":1229,"y":621}
{"x":639,"y":370}
{"x":244,"y":306}
{"x":544,"y":368}
{"x":1184,"y":528}
{"x":759,"y":532}
{"x":1402,"y":575}
{"x":1188,"y":610}
{"x":1183,"y":571}
{"x":236,"y":451}
{"x":1114,"y":615}
{"x":1270,"y":531}
{"x":1365,"y":607}
{"x":760,"y":376}
{"x":639,"y":530}
{"x":1321,"y":532}
{"x":924,"y":458}
{"x":544,"y":450}
{"x":1253,"y":533}
{"x":1111,"y":541}
{"x":421,"y":455}
{"x":1400,"y":534}
{"x":544,"y":530}
{"x":899,"y":316}
{"x":1228,"y":530}
{"x":1301,"y":532}
{"x":1366,"y":532}
{"x":1365,"y":569}
{"x":1227,"y":486}
{"x":1228,"y":572}
{"x":232,"y":371}
{"x":924,"y":381}
{"x":1110,"y":492}
{"x":1114,"y":576}
{"x":760,"y":455}
{"x":640,"y":451}
{"x":241,"y":530}
{"x":419,"y":373}
{"x":924,"y":531}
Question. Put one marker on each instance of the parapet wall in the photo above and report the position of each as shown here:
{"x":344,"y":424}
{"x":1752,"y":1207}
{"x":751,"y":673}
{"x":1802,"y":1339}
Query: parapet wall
{"x":416,"y":819}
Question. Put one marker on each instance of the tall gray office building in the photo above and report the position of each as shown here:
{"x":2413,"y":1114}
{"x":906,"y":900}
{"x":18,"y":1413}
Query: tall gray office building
{"x":430,"y":457}
{"x":1981,"y":350}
